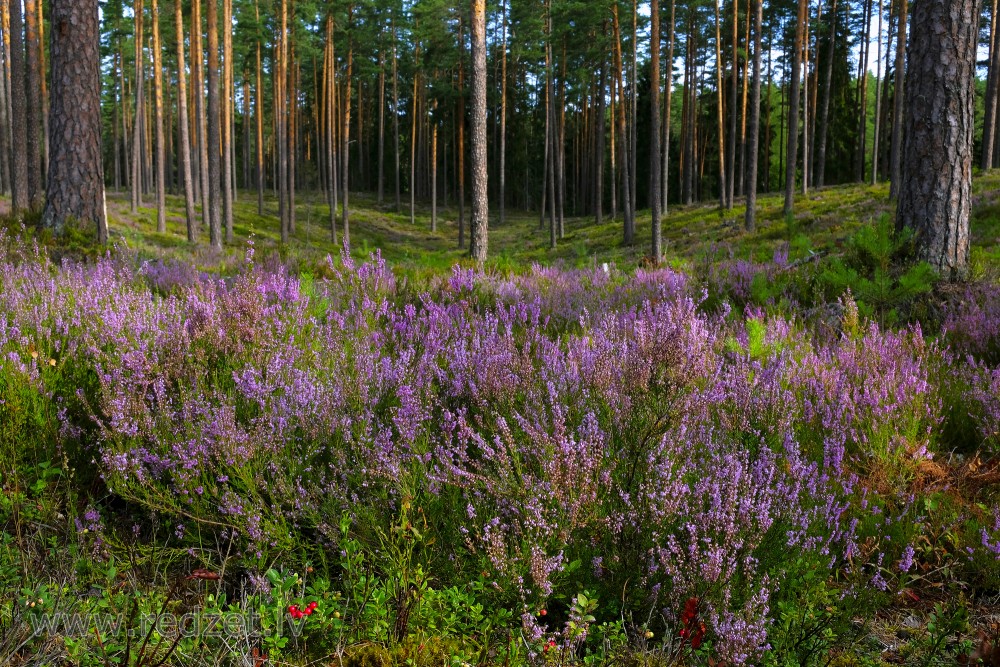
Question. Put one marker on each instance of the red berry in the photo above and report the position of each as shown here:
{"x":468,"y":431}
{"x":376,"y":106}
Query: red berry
{"x":542,"y":612}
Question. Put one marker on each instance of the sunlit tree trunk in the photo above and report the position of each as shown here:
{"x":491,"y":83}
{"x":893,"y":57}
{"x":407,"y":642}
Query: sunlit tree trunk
{"x":182,"y":125}
{"x":160,"y":149}
{"x":214,"y":129}
{"x":140,"y":110}
{"x":33,"y":49}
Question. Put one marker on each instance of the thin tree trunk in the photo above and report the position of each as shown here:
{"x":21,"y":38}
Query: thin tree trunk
{"x":859,"y":165}
{"x":878,"y":95}
{"x":724,"y":203}
{"x":992,"y":88}
{"x":629,"y":236}
{"x":654,"y":129}
{"x":753,"y":139}
{"x":201,"y":120}
{"x":503,"y":113}
{"x":668,"y":114}
{"x":793,"y":110}
{"x":140,"y":111}
{"x":460,"y":142}
{"x":434,"y":169}
{"x":259,"y":113}
{"x":214,"y":129}
{"x":36,"y":188}
{"x":20,"y":200}
{"x":160,"y":154}
{"x":381,"y":129}
{"x":414,"y":113}
{"x":182,"y":125}
{"x":227,"y":117}
{"x":898,"y":94}
{"x":733,"y":95}
{"x":824,"y":109}
{"x":805,"y":103}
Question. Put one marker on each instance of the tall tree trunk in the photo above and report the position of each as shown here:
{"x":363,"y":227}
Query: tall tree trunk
{"x":878,"y":96}
{"x":859,"y":164}
{"x":281,"y":121}
{"x":992,"y":88}
{"x":227,"y":117}
{"x":161,"y":165}
{"x":258,"y":94}
{"x":898,"y":95}
{"x":824,"y":106}
{"x":76,"y":172}
{"x":36,"y":188}
{"x":45,"y":93}
{"x":724,"y":203}
{"x":395,"y":111}
{"x":214,"y":129}
{"x":629,"y":236}
{"x":381,"y":127}
{"x":6,"y":120}
{"x":668,"y":113}
{"x":460,"y":141}
{"x":793,"y":110}
{"x":599,"y":153}
{"x":140,"y":110}
{"x":345,"y":222}
{"x":805,"y":103}
{"x":414,"y":113}
{"x":753,"y":138}
{"x":330,"y":127}
{"x":434,"y":168}
{"x":201,"y":120}
{"x":503,"y":113}
{"x":182,"y":125}
{"x":20,"y":200}
{"x":654,"y":128}
{"x":935,"y":196}
{"x":733,"y":94}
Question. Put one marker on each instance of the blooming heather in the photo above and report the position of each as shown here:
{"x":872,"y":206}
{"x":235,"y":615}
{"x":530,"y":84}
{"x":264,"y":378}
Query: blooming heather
{"x":539,"y":421}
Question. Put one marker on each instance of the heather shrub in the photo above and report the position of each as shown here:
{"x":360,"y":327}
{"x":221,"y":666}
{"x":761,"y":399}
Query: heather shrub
{"x":475,"y":450}
{"x":972,"y":323}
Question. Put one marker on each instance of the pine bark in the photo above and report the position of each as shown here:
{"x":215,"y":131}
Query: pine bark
{"x":654,"y":129}
{"x":20,"y":200}
{"x":36,"y":188}
{"x":899,"y":96}
{"x":160,"y":155}
{"x":76,"y":174}
{"x":480,"y":166}
{"x":793,"y":110}
{"x":214,"y":128}
{"x":935,"y":197}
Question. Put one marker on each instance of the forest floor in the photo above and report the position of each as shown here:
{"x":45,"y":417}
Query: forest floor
{"x":823,"y":220}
